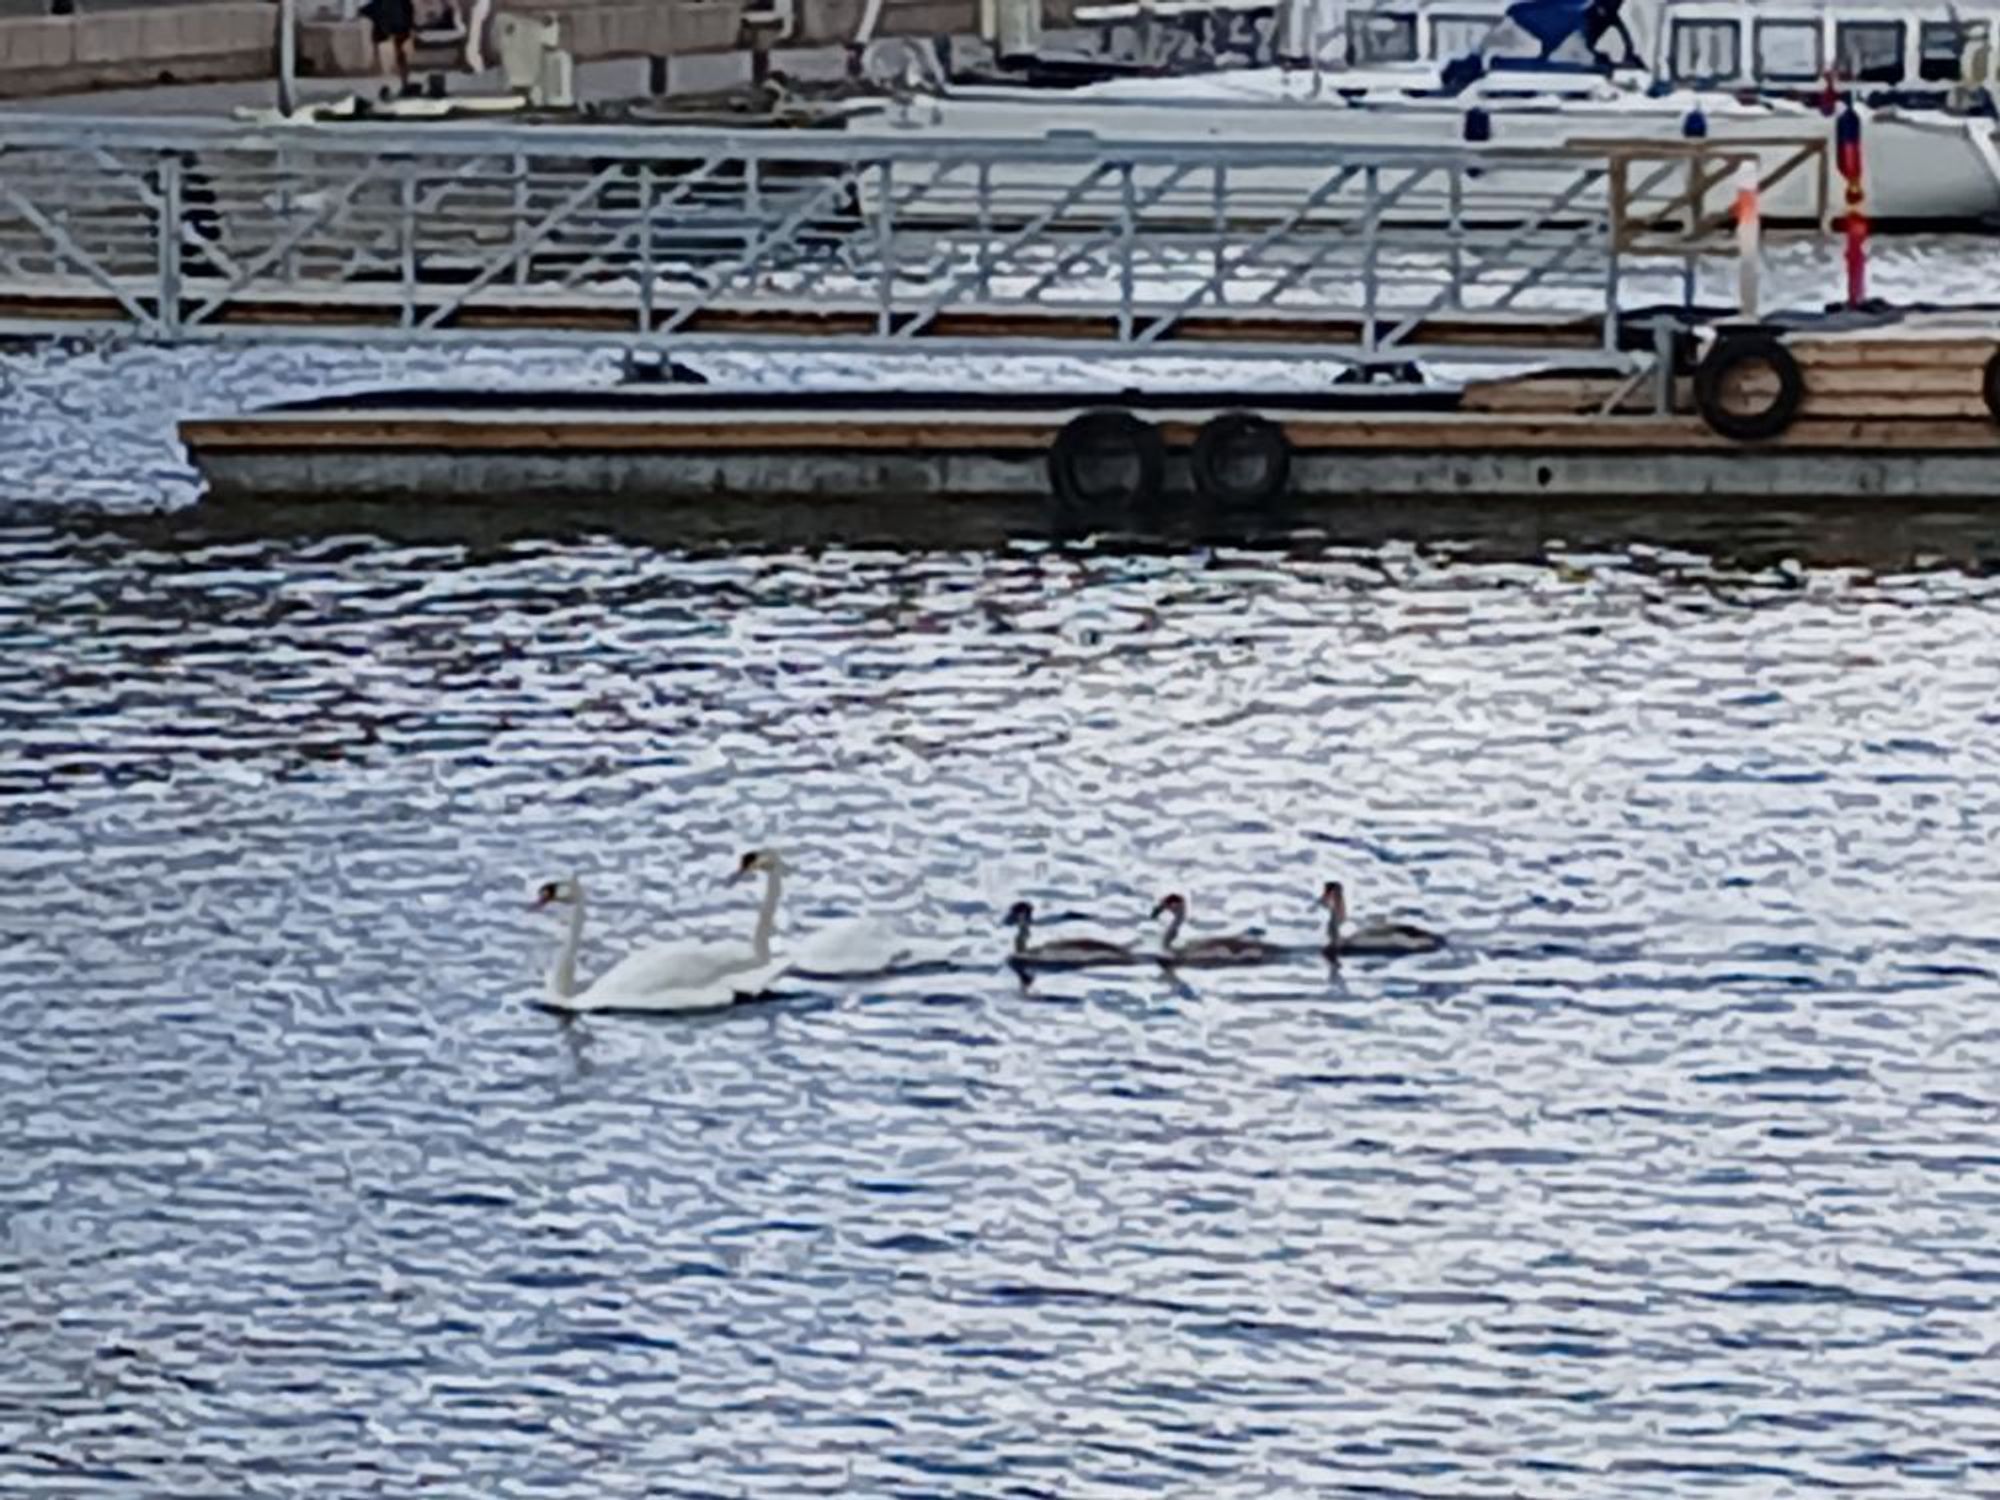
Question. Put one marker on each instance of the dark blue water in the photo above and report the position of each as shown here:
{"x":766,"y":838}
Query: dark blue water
{"x":1676,"y":1173}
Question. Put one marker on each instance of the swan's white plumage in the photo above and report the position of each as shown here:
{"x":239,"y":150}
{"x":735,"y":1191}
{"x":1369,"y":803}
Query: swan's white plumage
{"x":691,"y":973}
{"x":862,"y":947}
{"x":680,"y":976}
{"x":684,"y":975}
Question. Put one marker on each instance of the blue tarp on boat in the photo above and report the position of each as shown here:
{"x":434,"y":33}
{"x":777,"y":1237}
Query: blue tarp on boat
{"x":1553,"y":22}
{"x":1550,"y":22}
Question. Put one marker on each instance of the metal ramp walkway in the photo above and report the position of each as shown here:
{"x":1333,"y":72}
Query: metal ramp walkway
{"x":665,"y":238}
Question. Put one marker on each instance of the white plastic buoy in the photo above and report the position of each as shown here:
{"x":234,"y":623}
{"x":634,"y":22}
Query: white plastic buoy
{"x":1749,"y":238}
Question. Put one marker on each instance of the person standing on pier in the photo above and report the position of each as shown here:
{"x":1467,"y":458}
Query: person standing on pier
{"x":393,"y":22}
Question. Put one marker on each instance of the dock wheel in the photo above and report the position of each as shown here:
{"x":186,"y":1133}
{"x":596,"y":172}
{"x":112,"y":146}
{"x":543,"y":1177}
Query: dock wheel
{"x":1241,"y":463}
{"x":1749,"y":387}
{"x":1989,"y":385}
{"x":1106,"y":464}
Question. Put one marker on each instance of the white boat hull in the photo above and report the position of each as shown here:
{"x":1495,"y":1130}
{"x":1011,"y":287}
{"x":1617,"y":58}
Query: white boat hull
{"x":1918,"y":168}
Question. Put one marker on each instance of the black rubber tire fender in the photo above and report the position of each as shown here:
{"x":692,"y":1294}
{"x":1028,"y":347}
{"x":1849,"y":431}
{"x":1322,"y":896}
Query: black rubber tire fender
{"x":1731,"y":353}
{"x":1989,"y":385}
{"x":1232,"y":433}
{"x":1094,"y":434}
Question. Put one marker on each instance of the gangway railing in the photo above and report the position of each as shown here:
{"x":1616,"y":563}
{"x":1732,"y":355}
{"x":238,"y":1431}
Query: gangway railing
{"x":184,"y":231}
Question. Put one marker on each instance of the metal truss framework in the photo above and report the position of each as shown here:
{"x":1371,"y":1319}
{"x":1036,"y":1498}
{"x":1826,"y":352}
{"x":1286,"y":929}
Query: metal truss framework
{"x":654,"y":237}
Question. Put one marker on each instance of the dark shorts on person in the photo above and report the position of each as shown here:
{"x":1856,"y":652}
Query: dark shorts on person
{"x":392,"y":20}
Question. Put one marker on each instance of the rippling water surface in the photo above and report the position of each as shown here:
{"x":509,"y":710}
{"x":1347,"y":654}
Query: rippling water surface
{"x":1675,"y":1173}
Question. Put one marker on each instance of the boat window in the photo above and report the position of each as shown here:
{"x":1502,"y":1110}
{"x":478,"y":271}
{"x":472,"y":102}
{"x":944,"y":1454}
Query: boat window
{"x":1789,"y":51}
{"x":1374,"y":37}
{"x":1869,"y":51}
{"x":1941,"y":48}
{"x":1462,"y":34}
{"x":1707,"y":51}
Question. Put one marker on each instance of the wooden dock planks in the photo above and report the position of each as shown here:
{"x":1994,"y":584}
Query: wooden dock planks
{"x":919,"y":432}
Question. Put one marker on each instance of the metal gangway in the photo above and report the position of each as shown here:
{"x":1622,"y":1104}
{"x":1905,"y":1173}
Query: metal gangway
{"x":663,"y":238}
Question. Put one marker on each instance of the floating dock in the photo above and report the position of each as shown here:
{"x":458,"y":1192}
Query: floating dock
{"x":1902,"y":410}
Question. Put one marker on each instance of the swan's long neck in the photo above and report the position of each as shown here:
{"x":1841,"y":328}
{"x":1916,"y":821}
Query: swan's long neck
{"x":767,"y":915}
{"x":562,"y":974}
{"x":1173,"y":933}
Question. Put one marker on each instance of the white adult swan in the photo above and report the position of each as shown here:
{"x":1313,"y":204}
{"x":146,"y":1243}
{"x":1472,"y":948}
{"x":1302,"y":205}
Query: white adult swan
{"x":1207,"y":952}
{"x":1064,"y":953}
{"x":686,"y":975}
{"x":852,"y":948}
{"x":1385,"y":938}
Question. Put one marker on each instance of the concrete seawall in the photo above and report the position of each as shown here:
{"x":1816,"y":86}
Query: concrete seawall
{"x":120,"y":48}
{"x":238,"y":39}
